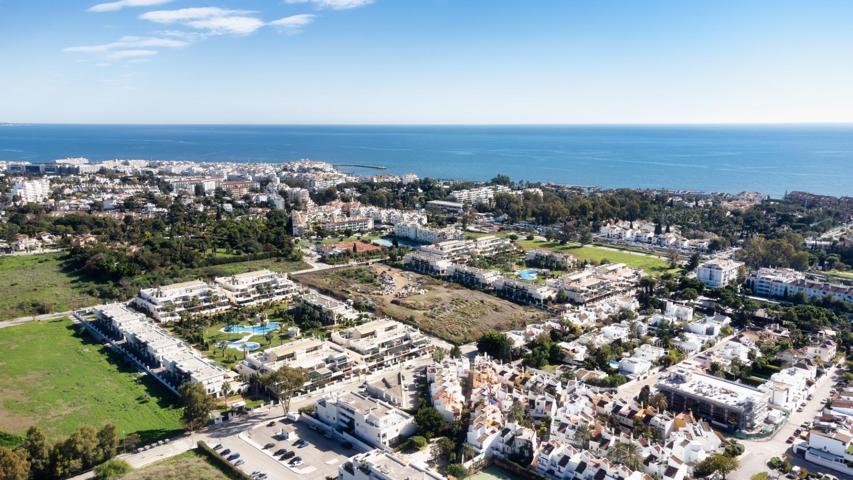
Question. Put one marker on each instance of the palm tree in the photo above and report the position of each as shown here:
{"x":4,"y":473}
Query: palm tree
{"x":582,"y":436}
{"x":659,"y":402}
{"x":626,"y":453}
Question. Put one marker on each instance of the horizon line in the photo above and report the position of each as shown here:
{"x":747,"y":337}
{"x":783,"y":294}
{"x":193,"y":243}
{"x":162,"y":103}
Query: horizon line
{"x":570,"y":124}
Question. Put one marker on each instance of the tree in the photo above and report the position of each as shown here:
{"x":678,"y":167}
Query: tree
{"x":82,"y":445}
{"x":627,"y":454}
{"x":111,"y":469}
{"x":416,"y":443}
{"x":446,"y":448}
{"x":583,"y":436}
{"x":456,"y":352}
{"x":496,"y":344}
{"x":457,"y":470}
{"x":429,"y":421}
{"x":716,"y":463}
{"x":14,"y":464}
{"x":38,"y":452}
{"x":644,"y":395}
{"x":197,"y":405}
{"x":658,"y":401}
{"x":107,"y":442}
{"x":285,"y":382}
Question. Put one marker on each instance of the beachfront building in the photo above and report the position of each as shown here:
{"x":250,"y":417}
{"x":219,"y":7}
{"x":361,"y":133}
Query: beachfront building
{"x":719,"y":273}
{"x":165,"y":357}
{"x":383,"y":343}
{"x":326,"y":309}
{"x":721,"y":402}
{"x":324,"y":362}
{"x":368,"y":419}
{"x":479,"y":195}
{"x":381,"y":465}
{"x":165,"y":304}
{"x":260,"y":286}
{"x":785,"y":282}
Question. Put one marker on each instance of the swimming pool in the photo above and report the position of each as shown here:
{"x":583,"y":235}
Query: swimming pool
{"x":254,"y":330}
{"x":247,"y":346}
{"x":528,"y":274}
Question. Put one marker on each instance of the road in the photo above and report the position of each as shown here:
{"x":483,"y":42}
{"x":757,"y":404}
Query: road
{"x":34,"y":318}
{"x":758,"y":452}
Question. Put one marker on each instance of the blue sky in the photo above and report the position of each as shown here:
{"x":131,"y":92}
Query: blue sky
{"x":426,"y":61}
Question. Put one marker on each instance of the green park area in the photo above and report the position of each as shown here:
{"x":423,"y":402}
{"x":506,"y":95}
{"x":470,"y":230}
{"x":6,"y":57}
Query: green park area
{"x":34,"y":284}
{"x":57,"y":377}
{"x":652,"y":265}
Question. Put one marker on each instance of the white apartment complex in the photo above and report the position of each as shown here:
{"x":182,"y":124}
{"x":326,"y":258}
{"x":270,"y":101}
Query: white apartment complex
{"x":257,"y":287}
{"x":166,"y":303}
{"x":416,"y":232}
{"x":170,"y":360}
{"x":598,"y":283}
{"x":373,"y":421}
{"x":479,"y":195}
{"x":783,"y":282}
{"x":718,"y":273}
{"x":31,"y":191}
{"x":383,"y":343}
{"x":380,"y":465}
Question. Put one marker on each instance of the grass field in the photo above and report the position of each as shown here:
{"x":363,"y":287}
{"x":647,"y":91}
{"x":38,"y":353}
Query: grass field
{"x":191,"y":465}
{"x":31,"y":283}
{"x":34,"y":284}
{"x":648,"y":263}
{"x":839,"y":273}
{"x":55,"y":376}
{"x":446,"y":310}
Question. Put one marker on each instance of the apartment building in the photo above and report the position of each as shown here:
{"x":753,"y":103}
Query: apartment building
{"x":594,"y":284}
{"x":550,"y":260}
{"x":381,"y":465}
{"x":326,"y":309}
{"x":427,"y":263}
{"x":524,"y":292}
{"x":479,"y":195}
{"x":383,"y":343}
{"x":416,"y":232}
{"x":445,"y":206}
{"x":324,"y":362}
{"x":167,"y":358}
{"x":445,"y":386}
{"x":784,"y":282}
{"x":721,"y":402}
{"x":472,"y":276}
{"x":165,"y":304}
{"x":719,"y":273}
{"x":260,"y":286}
{"x":372,"y":421}
{"x":31,"y":191}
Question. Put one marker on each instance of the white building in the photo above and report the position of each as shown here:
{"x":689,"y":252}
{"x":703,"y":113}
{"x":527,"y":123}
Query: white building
{"x":381,"y":465}
{"x":260,"y":286}
{"x":445,"y":386}
{"x":166,"y":303}
{"x":420,"y":233}
{"x":31,"y":191}
{"x":788,"y":388}
{"x":784,"y":282}
{"x":373,"y":421}
{"x":718,"y":273}
{"x":383,"y":343}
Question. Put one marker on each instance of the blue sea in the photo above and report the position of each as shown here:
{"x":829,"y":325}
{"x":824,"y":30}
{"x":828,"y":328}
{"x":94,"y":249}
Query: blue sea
{"x":769,"y":159}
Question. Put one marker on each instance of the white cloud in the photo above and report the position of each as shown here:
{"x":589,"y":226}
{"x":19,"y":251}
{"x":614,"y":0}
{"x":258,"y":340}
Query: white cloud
{"x":120,"y":4}
{"x":333,"y":4}
{"x":293,"y":23}
{"x":129,"y":43}
{"x":125,"y":54}
{"x":213,"y":19}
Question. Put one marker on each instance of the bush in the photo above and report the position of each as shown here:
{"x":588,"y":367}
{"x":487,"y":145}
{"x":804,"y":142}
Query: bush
{"x":417,"y":443}
{"x":759,"y":476}
{"x":111,"y":469}
{"x":733,"y":449}
{"x":775,"y":463}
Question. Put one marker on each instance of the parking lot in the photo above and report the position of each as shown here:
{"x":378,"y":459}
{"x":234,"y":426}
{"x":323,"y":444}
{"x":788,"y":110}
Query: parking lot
{"x":264,"y":449}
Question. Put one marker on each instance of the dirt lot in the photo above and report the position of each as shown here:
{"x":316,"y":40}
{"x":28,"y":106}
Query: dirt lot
{"x":446,"y":310}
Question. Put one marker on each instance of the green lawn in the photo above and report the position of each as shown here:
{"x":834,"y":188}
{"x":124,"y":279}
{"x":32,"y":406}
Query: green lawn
{"x":56,"y":376}
{"x":839,"y":273}
{"x":34,"y":284}
{"x":650,"y":264}
{"x":190,"y":465}
{"x":230,"y":356}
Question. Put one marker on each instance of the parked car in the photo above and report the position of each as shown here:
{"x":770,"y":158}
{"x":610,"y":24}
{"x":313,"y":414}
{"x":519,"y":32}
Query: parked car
{"x":217,"y":447}
{"x":790,"y":440}
{"x":271,"y":424}
{"x":233,"y":456}
{"x":280,"y":451}
{"x":239,"y":462}
{"x":269,"y":446}
{"x":300,"y":444}
{"x":287,"y":455}
{"x":225,"y":452}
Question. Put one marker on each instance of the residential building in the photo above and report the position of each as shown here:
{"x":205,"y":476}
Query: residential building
{"x":721,"y":402}
{"x":523,"y":292}
{"x":719,"y":273}
{"x":594,"y":284}
{"x":31,"y":191}
{"x":260,"y":286}
{"x":785,"y":282}
{"x":370,"y":420}
{"x":383,"y":343}
{"x":326,"y":309}
{"x":445,"y":386}
{"x":445,"y":206}
{"x":165,"y":304}
{"x":381,"y":465}
{"x":550,"y":260}
{"x":423,"y":234}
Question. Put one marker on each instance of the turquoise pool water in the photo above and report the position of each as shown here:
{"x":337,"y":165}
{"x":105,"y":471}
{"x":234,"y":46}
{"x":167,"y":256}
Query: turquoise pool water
{"x":254,"y":330}
{"x":528,"y":274}
{"x":247,"y":346}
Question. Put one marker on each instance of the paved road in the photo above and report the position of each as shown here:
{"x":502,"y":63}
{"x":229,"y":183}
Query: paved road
{"x":758,"y":452}
{"x":34,"y":318}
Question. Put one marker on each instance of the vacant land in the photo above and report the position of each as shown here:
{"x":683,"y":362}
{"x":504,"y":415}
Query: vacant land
{"x":33,"y":284}
{"x":650,"y":264}
{"x":56,"y":376}
{"x":443,"y":309}
{"x":190,"y":465}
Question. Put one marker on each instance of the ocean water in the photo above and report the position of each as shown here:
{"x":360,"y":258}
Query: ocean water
{"x":769,"y":159}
